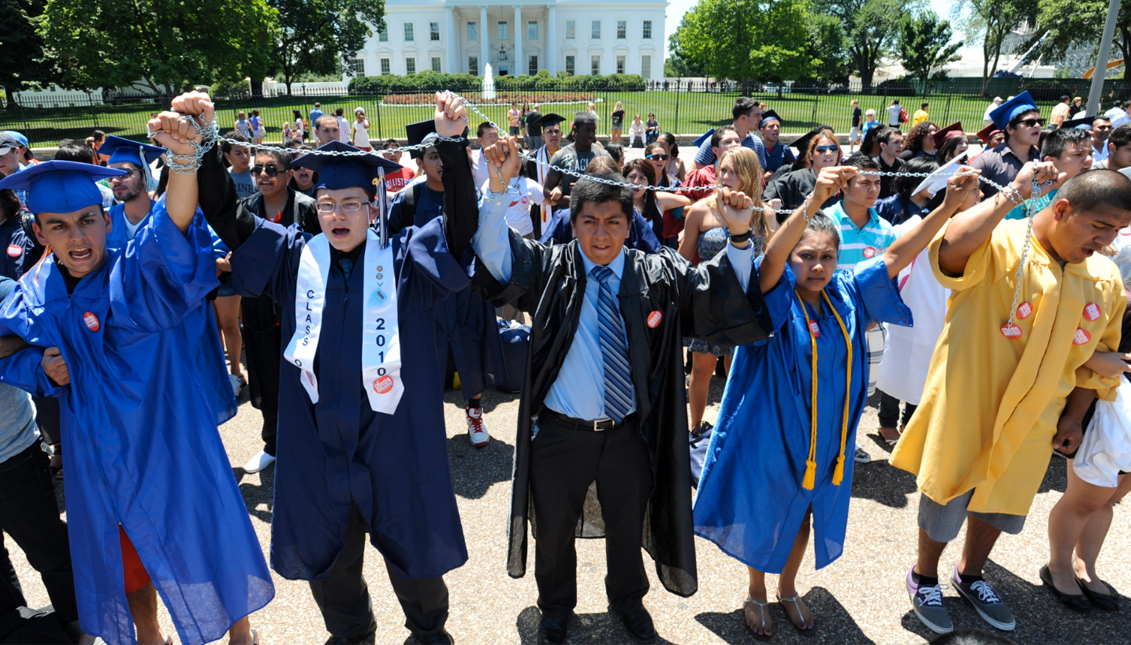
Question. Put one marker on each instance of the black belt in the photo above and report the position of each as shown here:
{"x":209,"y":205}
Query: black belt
{"x":581,"y":424}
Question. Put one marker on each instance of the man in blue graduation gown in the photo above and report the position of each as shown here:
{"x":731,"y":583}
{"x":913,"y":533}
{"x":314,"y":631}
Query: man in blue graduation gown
{"x":146,"y":467}
{"x":603,"y":401}
{"x":361,"y":441}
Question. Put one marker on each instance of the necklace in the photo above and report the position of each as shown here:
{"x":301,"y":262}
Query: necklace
{"x":811,"y":460}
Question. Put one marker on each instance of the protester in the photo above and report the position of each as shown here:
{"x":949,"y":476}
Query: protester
{"x":653,"y":204}
{"x":538,"y":167}
{"x":636,"y":131}
{"x":777,"y":153}
{"x":361,"y":130}
{"x":950,"y":142}
{"x":1062,"y":111}
{"x":487,"y":135}
{"x":1021,"y":122}
{"x":396,"y":180}
{"x":991,"y":137}
{"x":1118,"y":150}
{"x":721,"y":140}
{"x":890,"y":141}
{"x":640,"y":236}
{"x":746,"y":117}
{"x":854,"y":133}
{"x":302,"y":178}
{"x":674,"y":168}
{"x":616,"y":152}
{"x":327,"y":129}
{"x":920,"y":142}
{"x":616,"y":123}
{"x":821,"y":151}
{"x":575,"y":157}
{"x":1101,"y":130}
{"x":583,"y":384}
{"x":1070,"y":152}
{"x":921,"y":115}
{"x":238,"y":160}
{"x":1019,"y":369}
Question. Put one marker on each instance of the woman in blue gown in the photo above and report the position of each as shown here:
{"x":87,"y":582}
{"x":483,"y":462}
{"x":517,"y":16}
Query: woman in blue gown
{"x":774,"y":463}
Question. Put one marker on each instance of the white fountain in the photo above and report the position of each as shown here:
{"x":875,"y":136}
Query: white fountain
{"x":488,"y":83}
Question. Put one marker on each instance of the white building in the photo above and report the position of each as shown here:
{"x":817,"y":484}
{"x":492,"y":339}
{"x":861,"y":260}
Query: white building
{"x":574,"y":36}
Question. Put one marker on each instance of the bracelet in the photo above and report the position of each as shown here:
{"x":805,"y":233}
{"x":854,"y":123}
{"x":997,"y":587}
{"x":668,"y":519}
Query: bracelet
{"x":1013,"y":195}
{"x":182,"y":164}
{"x":742,"y":237}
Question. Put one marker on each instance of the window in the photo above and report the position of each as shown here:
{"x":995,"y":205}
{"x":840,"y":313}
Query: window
{"x":622,"y":29}
{"x":620,"y":64}
{"x":434,"y":31}
{"x":385,"y":68}
{"x":532,"y":30}
{"x":408,"y":32}
{"x":595,"y":65}
{"x":410,"y":65}
{"x":569,"y":65}
{"x":472,"y":31}
{"x":596,"y":29}
{"x":571,"y":29}
{"x":473,"y":65}
{"x":533,"y":65}
{"x":383,"y":35}
{"x":502,"y":30}
{"x":435,"y":64}
{"x":646,"y":66}
{"x":647,"y":29}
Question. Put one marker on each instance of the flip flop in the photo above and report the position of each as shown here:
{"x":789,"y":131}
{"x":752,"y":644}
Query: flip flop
{"x":796,"y":600}
{"x":762,"y":612}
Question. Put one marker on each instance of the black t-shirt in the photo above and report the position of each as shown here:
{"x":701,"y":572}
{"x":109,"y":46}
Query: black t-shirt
{"x":618,"y":119}
{"x":856,"y":114}
{"x":533,"y":129}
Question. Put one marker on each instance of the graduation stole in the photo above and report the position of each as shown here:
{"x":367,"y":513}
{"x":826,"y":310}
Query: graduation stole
{"x":811,"y":459}
{"x":380,"y":333}
{"x":543,"y":164}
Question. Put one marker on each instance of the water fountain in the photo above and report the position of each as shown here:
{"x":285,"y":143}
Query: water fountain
{"x":488,"y":83}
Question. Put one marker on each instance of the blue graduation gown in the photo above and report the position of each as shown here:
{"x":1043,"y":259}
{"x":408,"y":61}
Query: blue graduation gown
{"x":750,"y":500}
{"x":339,"y":451}
{"x":465,"y":324}
{"x":143,"y":450}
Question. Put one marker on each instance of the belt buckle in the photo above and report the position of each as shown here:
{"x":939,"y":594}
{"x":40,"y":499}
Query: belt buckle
{"x":597,"y":423}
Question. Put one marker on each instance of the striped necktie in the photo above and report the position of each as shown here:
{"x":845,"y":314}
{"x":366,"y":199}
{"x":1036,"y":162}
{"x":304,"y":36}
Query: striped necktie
{"x":614,"y":350}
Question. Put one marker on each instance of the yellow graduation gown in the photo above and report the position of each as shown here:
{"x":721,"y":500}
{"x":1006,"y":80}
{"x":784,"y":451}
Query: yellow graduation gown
{"x":991,"y":404}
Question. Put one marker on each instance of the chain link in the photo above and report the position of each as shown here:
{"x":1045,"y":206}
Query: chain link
{"x":1030,"y":211}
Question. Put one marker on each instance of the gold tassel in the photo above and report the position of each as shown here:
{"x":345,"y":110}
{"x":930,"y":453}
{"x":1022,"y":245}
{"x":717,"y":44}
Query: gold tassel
{"x":810,"y":475}
{"x":838,"y":474}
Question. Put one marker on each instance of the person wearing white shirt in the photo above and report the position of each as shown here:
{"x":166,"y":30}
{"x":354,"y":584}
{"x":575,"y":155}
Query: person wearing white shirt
{"x":343,"y":126}
{"x":894,"y":110}
{"x":1117,"y":114}
{"x":986,"y":120}
{"x":488,"y":136}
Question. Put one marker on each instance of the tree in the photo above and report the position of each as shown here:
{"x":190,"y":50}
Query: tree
{"x":677,"y":64}
{"x":1068,"y":24}
{"x":871,"y":26}
{"x":165,"y":44}
{"x":746,"y":40}
{"x":21,"y":49}
{"x":828,"y":47}
{"x":925,"y":47}
{"x":316,"y":35}
{"x":991,"y":21}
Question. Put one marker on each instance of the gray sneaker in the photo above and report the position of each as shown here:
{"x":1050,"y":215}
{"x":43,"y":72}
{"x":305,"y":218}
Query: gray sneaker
{"x":986,"y":602}
{"x":927,"y":603}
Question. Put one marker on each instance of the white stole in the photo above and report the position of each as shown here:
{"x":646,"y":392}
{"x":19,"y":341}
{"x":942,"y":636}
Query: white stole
{"x":380,"y":333}
{"x":544,"y":169}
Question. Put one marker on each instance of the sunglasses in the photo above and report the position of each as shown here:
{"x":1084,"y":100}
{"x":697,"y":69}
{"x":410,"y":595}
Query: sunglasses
{"x":1030,"y":123}
{"x":271,"y":171}
{"x":823,"y":149}
{"x":661,"y":157}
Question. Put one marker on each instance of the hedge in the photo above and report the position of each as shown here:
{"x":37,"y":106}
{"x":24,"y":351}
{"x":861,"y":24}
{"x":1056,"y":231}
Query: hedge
{"x":431,"y":81}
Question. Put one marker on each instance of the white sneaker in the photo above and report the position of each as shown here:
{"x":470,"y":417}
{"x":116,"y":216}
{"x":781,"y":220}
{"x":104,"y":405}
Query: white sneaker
{"x":476,"y":431}
{"x":236,"y":384}
{"x":258,"y":462}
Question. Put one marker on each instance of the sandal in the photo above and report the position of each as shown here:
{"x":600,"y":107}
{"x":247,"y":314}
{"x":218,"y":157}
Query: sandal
{"x":799,"y":624}
{"x":890,"y":442}
{"x":762,"y":611}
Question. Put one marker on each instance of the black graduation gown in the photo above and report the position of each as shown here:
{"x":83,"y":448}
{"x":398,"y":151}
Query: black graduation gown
{"x":793,"y":188}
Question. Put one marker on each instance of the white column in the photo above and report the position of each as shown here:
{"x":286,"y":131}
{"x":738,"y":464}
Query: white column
{"x":452,"y":38}
{"x":483,"y":56}
{"x":551,"y":47}
{"x":519,"y":62}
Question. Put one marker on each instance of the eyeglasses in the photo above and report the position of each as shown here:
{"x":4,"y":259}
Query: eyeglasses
{"x":1029,"y":123}
{"x":661,"y":157}
{"x":823,"y":149}
{"x":270,"y":171}
{"x":347,"y":207}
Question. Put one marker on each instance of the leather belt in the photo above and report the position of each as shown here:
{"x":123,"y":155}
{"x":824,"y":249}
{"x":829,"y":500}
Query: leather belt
{"x":601,"y":425}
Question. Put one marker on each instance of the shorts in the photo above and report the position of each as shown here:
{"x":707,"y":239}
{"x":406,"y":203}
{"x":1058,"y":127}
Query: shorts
{"x":876,"y":338}
{"x":514,"y":130}
{"x":854,"y":135}
{"x":943,"y":522}
{"x":136,"y":577}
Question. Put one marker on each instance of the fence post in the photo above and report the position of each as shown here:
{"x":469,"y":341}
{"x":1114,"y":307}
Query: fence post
{"x":23,"y":115}
{"x":677,"y":93}
{"x":380,"y":135}
{"x":947,"y":118}
{"x":93,"y":112}
{"x":816,"y":100}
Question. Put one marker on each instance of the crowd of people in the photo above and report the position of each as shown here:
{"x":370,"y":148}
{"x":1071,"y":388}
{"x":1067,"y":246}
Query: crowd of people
{"x":981,"y":297}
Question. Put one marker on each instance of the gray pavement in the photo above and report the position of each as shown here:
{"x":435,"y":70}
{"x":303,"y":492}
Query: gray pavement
{"x":860,"y":598}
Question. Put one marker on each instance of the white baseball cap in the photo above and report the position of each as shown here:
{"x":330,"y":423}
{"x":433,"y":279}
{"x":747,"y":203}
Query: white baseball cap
{"x":872,"y":112}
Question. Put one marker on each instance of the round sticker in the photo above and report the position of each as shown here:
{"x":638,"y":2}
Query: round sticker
{"x":1092,"y":311}
{"x":383,"y":384}
{"x":91,"y":321}
{"x":814,"y":329}
{"x":15,"y":251}
{"x":654,"y":319}
{"x":525,"y":200}
{"x":1081,"y":337}
{"x":1010,"y":331}
{"x":869,"y":252}
{"x":1024,"y":310}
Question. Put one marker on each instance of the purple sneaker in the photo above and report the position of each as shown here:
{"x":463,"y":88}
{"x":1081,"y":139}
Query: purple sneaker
{"x":927,"y":603}
{"x":985,"y":601}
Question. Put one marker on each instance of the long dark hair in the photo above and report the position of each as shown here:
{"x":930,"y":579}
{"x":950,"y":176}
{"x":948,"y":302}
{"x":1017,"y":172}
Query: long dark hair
{"x":916,"y":136}
{"x":645,"y":166}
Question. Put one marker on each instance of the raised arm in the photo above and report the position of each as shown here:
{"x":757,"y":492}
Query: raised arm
{"x":461,"y":215}
{"x":962,"y":193}
{"x":175,"y":130}
{"x":971,"y":228}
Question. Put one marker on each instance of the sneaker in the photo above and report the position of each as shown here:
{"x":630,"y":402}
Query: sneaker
{"x":258,"y":462}
{"x":927,"y":603}
{"x":236,"y":384}
{"x":476,"y":431}
{"x":986,"y":602}
{"x":862,"y":456}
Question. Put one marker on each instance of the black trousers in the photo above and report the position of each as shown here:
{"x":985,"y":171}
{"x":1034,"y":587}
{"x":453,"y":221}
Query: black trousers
{"x":263,"y":344}
{"x":344,"y":600}
{"x":563,"y":463}
{"x":30,"y":515}
{"x":889,"y":411}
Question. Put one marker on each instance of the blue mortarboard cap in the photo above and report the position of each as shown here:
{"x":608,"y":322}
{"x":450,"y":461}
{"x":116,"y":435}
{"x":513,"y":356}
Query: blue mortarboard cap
{"x":1016,"y":105}
{"x":336,"y":173}
{"x":1083,"y":123}
{"x":60,"y":186}
{"x":769,"y":115}
{"x":705,"y":137}
{"x":121,"y":149}
{"x":19,"y":137}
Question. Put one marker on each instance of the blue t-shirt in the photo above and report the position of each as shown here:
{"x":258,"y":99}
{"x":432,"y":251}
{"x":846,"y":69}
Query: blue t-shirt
{"x":706,"y":157}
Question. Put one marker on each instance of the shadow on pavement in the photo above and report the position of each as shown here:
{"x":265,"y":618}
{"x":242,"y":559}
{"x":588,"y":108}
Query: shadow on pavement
{"x":261,"y":495}
{"x":834,"y":624}
{"x":475,"y":470}
{"x":583,"y":628}
{"x":880,"y":482}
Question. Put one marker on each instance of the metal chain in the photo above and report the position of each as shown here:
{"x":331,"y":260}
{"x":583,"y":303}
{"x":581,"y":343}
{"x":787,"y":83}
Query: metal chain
{"x":1030,"y":211}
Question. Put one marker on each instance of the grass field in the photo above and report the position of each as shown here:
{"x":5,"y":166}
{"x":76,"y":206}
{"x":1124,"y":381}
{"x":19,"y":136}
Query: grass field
{"x":686,"y":113}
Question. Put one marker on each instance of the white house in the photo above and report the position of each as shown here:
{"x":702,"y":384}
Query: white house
{"x":575,"y":36}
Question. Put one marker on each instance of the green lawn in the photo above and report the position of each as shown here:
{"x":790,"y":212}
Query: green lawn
{"x":682,"y":112}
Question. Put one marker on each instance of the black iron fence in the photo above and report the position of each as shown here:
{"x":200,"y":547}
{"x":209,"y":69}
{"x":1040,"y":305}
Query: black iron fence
{"x":685,"y":107}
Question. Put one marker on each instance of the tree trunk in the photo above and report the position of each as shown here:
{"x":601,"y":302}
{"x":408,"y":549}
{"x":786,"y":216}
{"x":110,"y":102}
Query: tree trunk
{"x":10,"y":93}
{"x":257,"y":88}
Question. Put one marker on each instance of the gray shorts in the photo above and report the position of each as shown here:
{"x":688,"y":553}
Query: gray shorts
{"x":942,"y":523}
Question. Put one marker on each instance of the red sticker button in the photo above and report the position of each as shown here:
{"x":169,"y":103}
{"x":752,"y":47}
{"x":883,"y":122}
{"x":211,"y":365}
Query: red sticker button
{"x":1081,"y":337}
{"x":91,"y":321}
{"x":654,"y":319}
{"x":1010,"y":331}
{"x":814,"y":329}
{"x":869,"y":252}
{"x":15,"y":251}
{"x":1092,"y":311}
{"x":1024,"y":310}
{"x":383,"y":384}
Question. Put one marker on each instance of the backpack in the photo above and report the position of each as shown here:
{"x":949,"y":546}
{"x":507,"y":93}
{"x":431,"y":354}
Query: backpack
{"x":902,"y":115}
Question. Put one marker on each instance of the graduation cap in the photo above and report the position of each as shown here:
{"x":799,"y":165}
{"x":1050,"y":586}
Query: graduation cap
{"x":126,"y":150}
{"x":549,"y":120}
{"x":988,"y":132}
{"x":1083,"y":123}
{"x":60,"y":186}
{"x":949,"y":132}
{"x":937,"y":179}
{"x":419,"y":133}
{"x":1005,"y":112}
{"x":769,"y":115}
{"x":802,"y":143}
{"x":707,"y":135}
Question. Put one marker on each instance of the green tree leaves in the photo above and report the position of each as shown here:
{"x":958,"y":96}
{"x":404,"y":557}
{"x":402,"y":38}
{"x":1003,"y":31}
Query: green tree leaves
{"x":925,"y":47}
